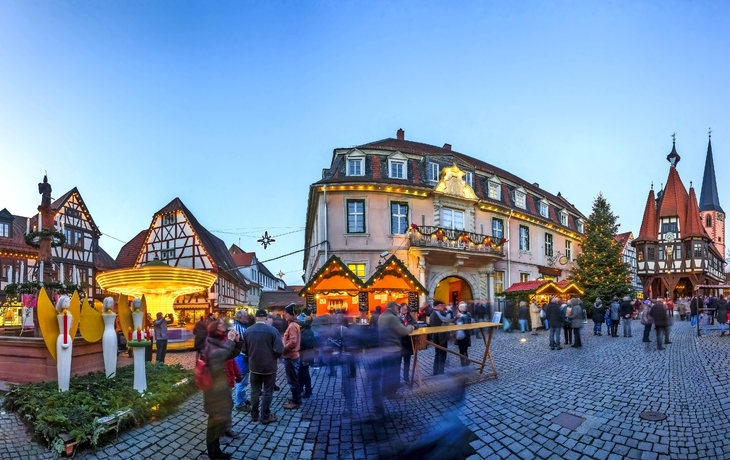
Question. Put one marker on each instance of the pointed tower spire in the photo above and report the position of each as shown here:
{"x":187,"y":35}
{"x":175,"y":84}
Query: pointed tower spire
{"x":692,"y":225}
{"x":649,"y":227}
{"x":709,"y":199}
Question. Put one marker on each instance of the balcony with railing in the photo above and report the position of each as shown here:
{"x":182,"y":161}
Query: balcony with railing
{"x":460,"y":240}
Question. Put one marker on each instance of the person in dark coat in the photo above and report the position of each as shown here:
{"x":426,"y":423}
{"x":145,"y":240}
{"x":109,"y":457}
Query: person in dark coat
{"x":440,"y":317}
{"x":218,"y":400}
{"x":658,"y":313}
{"x":523,"y":316}
{"x":694,"y":309}
{"x":626,"y":310}
{"x":200,"y":332}
{"x":463,"y":338}
{"x":555,"y":322}
{"x":721,"y":313}
{"x":599,"y":313}
{"x":576,"y":320}
{"x":406,"y":345}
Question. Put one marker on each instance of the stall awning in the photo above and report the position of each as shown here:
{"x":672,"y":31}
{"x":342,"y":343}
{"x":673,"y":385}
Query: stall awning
{"x":559,"y":288}
{"x":393,"y":275}
{"x":334,"y":276}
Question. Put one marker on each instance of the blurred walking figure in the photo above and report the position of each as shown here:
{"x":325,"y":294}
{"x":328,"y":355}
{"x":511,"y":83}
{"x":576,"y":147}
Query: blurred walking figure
{"x":694,"y":308}
{"x":721,"y":314}
{"x":555,"y":321}
{"x":406,"y":345}
{"x":567,"y":324}
{"x":523,"y":315}
{"x":439,"y":317}
{"x":534,"y":316}
{"x":463,"y":338}
{"x":599,"y":312}
{"x":307,"y":355}
{"x":646,"y":320}
{"x":263,"y":345}
{"x":217,"y":401}
{"x":626,"y":309}
{"x":240,"y":398}
{"x":615,"y":312}
{"x":391,"y":331}
{"x":576,"y":319}
{"x":659,"y":314}
{"x":292,"y":341}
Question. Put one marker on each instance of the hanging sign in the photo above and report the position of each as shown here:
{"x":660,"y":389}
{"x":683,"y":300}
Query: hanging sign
{"x":413,"y":301}
{"x":363,"y":301}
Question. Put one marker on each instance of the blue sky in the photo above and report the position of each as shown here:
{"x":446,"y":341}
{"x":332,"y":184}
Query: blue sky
{"x":235,"y":107}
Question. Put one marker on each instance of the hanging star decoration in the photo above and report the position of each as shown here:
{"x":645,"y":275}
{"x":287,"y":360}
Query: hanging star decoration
{"x":280,"y":274}
{"x":266,"y":239}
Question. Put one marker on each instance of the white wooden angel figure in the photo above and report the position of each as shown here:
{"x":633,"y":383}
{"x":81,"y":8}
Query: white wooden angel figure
{"x":109,"y":339}
{"x":64,"y":342}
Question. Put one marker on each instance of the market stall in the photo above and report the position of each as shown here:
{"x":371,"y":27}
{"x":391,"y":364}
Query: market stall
{"x":392,"y":282}
{"x":334,"y":287}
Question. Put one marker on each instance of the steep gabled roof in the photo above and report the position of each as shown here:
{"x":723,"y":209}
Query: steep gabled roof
{"x":58,"y":204}
{"x":648,"y":231}
{"x":623,"y":238}
{"x":16,"y":242}
{"x":709,"y":199}
{"x":103,"y":261}
{"x":243,"y":259}
{"x":216,"y":248}
{"x":674,"y":199}
{"x":129,"y":253}
{"x":693,"y":224}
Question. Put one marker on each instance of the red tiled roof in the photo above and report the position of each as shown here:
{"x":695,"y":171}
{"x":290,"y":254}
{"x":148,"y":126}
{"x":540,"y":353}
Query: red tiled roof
{"x":648,"y":231}
{"x":103,"y":261}
{"x":244,"y":259}
{"x":127,"y":256}
{"x":674,"y":197}
{"x":623,"y":238}
{"x":526,"y":286}
{"x":16,"y":243}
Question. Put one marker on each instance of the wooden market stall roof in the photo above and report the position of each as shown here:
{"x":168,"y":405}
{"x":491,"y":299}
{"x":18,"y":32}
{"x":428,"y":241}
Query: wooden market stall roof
{"x":334,"y":276}
{"x":393,"y":275}
{"x":546,"y":287}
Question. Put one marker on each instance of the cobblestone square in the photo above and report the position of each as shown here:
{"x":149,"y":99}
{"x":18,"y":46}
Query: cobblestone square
{"x":608,"y":382}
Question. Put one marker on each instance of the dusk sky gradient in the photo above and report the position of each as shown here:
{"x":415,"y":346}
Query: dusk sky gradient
{"x":235,"y":107}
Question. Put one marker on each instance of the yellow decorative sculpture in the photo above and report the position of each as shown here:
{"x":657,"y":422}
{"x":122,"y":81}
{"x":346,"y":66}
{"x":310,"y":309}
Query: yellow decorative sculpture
{"x":92,"y":324}
{"x":47,"y":321}
{"x":125,"y":314}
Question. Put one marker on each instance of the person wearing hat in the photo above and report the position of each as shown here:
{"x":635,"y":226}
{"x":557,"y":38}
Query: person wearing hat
{"x":292,"y":343}
{"x":263,"y":346}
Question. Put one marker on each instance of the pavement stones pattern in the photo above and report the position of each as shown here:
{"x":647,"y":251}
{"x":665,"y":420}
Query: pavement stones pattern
{"x":608,"y":382}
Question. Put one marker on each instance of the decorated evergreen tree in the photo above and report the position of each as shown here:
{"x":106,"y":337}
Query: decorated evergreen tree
{"x":600,"y":271}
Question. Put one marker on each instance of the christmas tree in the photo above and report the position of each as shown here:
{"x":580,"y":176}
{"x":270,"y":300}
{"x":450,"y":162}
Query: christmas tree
{"x":600,"y":271}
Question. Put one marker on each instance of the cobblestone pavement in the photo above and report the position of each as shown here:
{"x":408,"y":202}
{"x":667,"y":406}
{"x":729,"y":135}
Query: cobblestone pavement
{"x":608,"y":383}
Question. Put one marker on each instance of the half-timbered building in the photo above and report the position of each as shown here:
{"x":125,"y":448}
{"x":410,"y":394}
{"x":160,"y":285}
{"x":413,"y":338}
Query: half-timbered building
{"x":674,"y":252}
{"x":177,"y":238}
{"x":628,"y":257}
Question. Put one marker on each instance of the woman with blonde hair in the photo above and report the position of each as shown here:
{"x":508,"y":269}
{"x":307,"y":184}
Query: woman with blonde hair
{"x":534,"y":316}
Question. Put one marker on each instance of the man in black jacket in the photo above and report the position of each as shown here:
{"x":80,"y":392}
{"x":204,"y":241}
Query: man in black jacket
{"x":658,"y":313}
{"x":626,"y":309}
{"x":555,"y":322}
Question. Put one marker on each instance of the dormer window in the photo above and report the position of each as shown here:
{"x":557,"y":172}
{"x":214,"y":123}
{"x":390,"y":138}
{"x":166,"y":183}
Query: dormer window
{"x":495,"y":190}
{"x":469,"y":178}
{"x":564,"y":218}
{"x":520,"y":199}
{"x":4,"y":230}
{"x":397,"y":166}
{"x":579,"y":225}
{"x":543,"y":208}
{"x":433,"y":172}
{"x":356,"y":165}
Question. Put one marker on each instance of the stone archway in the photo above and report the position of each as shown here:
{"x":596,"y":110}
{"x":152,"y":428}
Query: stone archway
{"x":471,"y":283}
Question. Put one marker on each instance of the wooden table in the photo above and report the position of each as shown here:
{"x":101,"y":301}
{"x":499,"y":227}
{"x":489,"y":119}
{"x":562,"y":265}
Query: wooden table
{"x":419,"y":341}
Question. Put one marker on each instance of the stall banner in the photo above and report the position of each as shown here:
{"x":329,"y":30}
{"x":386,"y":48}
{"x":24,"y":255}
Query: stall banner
{"x":413,"y":301}
{"x":311,"y":303}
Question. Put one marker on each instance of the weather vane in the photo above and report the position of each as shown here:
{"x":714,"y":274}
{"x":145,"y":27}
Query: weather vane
{"x":710,"y":132}
{"x":266,"y":239}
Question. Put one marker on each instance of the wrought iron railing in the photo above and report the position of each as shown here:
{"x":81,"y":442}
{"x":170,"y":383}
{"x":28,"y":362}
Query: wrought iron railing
{"x":428,"y":236}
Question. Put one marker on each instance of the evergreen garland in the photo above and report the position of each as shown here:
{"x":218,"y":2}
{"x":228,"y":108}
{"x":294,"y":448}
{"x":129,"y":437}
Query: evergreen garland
{"x":600,"y":270}
{"x":57,"y":238}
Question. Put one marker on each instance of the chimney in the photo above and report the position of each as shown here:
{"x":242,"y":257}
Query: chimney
{"x":400,"y":135}
{"x":536,"y":184}
{"x":447,"y":147}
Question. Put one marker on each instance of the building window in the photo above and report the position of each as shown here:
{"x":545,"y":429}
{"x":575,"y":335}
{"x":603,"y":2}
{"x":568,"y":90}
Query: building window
{"x":4,"y":229}
{"x":68,"y":233}
{"x":356,"y":166}
{"x":548,"y":244}
{"x":397,"y":169}
{"x":569,"y":250}
{"x":497,"y":228}
{"x":543,"y":209}
{"x":520,"y":199}
{"x":564,"y":218}
{"x":469,"y":178}
{"x":579,"y":226}
{"x":698,"y":249}
{"x":498,"y":282}
{"x":640,"y":255}
{"x":678,"y":252}
{"x":708,"y":221}
{"x":495,"y":192}
{"x":452,"y":219}
{"x":661,"y":253}
{"x":669,"y":227}
{"x":649,"y":253}
{"x":168,"y":219}
{"x":167,"y":254}
{"x":398,"y":218}
{"x":355,"y":216}
{"x":524,"y":238}
{"x":78,"y":239}
{"x":524,"y":277}
{"x":75,"y":213}
{"x":433,"y":172}
{"x":358,"y":270}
